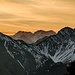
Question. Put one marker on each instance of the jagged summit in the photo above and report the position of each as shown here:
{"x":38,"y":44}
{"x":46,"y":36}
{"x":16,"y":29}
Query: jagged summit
{"x":23,"y":32}
{"x":42,"y":31}
{"x":32,"y":37}
{"x":66,"y":30}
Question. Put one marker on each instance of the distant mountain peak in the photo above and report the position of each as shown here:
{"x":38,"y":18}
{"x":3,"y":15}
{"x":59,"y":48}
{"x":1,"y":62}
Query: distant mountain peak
{"x":30,"y":37}
{"x":22,"y":32}
{"x":42,"y":31}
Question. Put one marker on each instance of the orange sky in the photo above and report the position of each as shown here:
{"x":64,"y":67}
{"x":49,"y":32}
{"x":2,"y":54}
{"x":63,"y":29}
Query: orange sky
{"x":33,"y":15}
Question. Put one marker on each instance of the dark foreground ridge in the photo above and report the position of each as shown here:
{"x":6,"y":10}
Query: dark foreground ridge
{"x":48,"y":56}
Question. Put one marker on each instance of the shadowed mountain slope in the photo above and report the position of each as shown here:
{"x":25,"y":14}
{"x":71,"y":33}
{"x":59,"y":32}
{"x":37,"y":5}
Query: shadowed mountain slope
{"x":47,"y":56}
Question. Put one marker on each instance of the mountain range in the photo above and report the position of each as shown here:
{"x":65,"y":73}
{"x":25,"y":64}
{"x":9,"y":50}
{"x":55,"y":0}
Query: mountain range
{"x":30,"y":37}
{"x":50,"y":55}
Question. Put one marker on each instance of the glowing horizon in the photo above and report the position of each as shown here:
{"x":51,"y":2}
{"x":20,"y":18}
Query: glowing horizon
{"x":32,"y":15}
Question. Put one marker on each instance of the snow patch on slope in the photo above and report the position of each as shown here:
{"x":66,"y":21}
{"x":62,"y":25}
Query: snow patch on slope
{"x":8,"y":50}
{"x":67,"y":56}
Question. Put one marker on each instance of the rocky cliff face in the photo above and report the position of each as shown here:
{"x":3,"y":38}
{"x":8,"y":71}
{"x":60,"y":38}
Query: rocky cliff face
{"x":48,"y":56}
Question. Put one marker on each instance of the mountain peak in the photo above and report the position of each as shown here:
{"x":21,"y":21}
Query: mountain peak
{"x":22,"y":32}
{"x":42,"y":31}
{"x":66,"y":29}
{"x":30,"y":37}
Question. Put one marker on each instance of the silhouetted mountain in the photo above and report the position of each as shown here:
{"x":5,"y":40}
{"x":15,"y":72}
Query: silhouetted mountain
{"x":32,"y":37}
{"x":47,"y":56}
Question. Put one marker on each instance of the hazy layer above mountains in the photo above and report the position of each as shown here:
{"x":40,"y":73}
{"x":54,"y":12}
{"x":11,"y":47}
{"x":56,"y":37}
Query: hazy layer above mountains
{"x":30,"y":37}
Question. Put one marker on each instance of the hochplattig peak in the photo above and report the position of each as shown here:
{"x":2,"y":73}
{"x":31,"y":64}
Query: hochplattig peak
{"x":30,"y":37}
